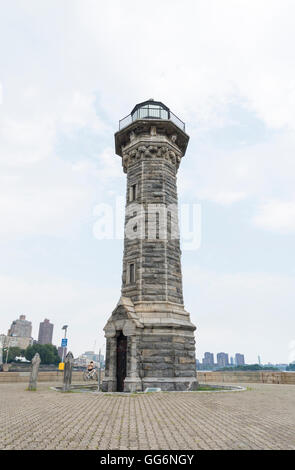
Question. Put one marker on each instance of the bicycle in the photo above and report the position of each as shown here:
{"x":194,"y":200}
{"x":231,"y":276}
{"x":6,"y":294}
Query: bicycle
{"x":90,"y":375}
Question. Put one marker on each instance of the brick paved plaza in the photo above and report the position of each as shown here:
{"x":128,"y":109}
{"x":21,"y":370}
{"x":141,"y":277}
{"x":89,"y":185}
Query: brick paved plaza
{"x":260,"y":418}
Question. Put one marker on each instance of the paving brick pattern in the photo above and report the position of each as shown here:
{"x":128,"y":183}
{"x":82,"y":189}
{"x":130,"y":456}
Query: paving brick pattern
{"x":260,"y":418}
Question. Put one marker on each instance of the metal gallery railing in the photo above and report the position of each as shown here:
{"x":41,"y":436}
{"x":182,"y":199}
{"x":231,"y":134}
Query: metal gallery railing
{"x":151,"y":112}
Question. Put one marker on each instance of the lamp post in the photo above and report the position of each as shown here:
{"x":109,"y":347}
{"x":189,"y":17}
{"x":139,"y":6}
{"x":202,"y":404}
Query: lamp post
{"x":8,"y":347}
{"x":99,"y":370}
{"x":65,"y":327}
{"x":1,"y":352}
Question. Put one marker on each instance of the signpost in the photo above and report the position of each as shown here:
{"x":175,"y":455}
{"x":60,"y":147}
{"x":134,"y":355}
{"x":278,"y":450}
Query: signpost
{"x":99,"y":372}
{"x":1,"y":349}
{"x":64,"y":342}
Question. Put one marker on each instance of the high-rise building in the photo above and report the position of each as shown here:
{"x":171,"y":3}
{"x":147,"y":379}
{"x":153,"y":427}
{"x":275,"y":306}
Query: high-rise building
{"x":222,"y":359}
{"x":239,"y":359}
{"x":21,"y":327}
{"x":21,"y":342}
{"x":208,"y":359}
{"x":45,"y":332}
{"x":19,"y":334}
{"x":150,"y":338}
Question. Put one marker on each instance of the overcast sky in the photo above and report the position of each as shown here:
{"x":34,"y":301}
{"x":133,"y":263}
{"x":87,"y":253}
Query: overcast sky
{"x":69,"y":70}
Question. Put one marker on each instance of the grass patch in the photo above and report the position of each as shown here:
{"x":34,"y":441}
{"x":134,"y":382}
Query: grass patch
{"x":204,"y":388}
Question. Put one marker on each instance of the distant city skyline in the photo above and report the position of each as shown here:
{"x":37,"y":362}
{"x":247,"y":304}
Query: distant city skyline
{"x":44,"y":334}
{"x":222,"y":359}
{"x":78,"y":352}
{"x":208,"y":362}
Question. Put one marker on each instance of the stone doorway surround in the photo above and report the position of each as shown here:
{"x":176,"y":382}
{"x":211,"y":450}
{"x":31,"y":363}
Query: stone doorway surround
{"x":122,"y":319}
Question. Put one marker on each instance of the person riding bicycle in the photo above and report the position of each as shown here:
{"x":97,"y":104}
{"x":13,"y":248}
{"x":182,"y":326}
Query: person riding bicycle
{"x":91,"y":368}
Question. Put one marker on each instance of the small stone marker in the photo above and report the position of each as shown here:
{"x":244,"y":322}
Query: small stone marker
{"x":34,"y":372}
{"x":69,"y":361}
{"x":153,"y":389}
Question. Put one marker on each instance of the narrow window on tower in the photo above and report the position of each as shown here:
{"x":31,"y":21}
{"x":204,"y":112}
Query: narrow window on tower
{"x":132,"y":192}
{"x":169,"y":225}
{"x":157,"y":225}
{"x":131,"y":273}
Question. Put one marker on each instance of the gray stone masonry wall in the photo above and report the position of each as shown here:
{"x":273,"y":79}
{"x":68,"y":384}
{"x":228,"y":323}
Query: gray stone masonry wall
{"x":157,"y":262}
{"x":168,"y":357}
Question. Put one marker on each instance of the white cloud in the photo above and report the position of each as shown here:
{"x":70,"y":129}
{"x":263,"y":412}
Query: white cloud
{"x":43,"y":207}
{"x":52,"y":197}
{"x":40,"y":193}
{"x":24,"y":142}
{"x":210,"y":54}
{"x":110,"y":165}
{"x":80,"y":113}
{"x":241,"y":312}
{"x":276,"y":216}
{"x":106,"y":167}
{"x":262,"y":174}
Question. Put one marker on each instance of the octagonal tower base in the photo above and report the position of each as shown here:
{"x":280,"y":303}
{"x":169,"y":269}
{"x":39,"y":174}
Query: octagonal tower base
{"x":149,"y":345}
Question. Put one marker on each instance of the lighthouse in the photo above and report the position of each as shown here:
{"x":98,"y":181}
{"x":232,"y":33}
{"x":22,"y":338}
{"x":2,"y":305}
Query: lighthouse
{"x":149,"y":336}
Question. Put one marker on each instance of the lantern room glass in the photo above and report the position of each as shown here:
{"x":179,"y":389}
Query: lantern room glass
{"x":150,"y":111}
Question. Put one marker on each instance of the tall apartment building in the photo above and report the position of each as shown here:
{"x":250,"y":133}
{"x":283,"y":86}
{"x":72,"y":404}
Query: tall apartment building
{"x":222,"y":359}
{"x":19,"y":334}
{"x":45,"y":332}
{"x":208,"y":359}
{"x":239,"y":359}
{"x":21,"y":327}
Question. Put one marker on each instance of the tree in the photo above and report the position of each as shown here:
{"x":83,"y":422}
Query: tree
{"x":249,"y":367}
{"x":291,"y":366}
{"x":12,"y":353}
{"x":48,"y":353}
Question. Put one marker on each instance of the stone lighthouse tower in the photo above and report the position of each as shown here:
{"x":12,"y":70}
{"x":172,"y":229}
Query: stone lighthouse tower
{"x":150,"y":338}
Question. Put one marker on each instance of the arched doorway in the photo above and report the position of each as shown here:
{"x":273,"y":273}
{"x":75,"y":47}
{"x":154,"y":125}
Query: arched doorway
{"x":121,"y":360}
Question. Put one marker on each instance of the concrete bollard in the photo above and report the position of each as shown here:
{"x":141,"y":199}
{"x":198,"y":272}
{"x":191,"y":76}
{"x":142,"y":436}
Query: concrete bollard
{"x":34,"y":372}
{"x":69,"y":361}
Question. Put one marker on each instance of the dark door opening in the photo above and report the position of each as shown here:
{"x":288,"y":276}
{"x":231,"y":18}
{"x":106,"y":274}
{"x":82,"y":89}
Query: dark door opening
{"x":121,"y":361}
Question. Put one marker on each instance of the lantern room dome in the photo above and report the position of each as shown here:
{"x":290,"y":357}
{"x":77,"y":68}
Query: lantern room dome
{"x":151,"y":109}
